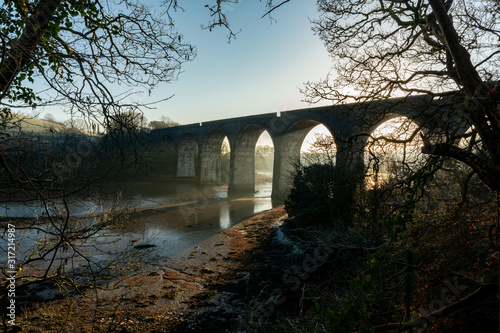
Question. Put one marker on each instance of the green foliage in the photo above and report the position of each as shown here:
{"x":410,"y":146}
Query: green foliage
{"x":5,"y":117}
{"x":412,"y":190}
{"x":85,"y":47}
{"x":313,"y":199}
{"x":436,"y":231}
{"x":158,"y":124}
{"x":350,"y":318}
{"x":355,"y":314}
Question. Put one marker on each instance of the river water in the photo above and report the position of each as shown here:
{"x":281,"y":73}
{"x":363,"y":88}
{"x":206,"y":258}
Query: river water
{"x":165,"y":218}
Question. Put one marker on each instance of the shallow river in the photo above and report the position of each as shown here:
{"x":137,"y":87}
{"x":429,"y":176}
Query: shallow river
{"x":165,"y":219}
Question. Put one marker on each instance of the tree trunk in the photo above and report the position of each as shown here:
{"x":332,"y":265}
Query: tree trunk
{"x":22,"y":49}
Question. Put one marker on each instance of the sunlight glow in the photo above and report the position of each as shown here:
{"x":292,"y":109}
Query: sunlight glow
{"x":312,"y":135}
{"x":393,"y":129}
{"x":265,"y":140}
{"x":387,"y":156}
{"x":264,"y":164}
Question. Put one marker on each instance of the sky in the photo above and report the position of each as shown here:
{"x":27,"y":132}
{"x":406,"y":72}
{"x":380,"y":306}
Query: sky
{"x":261,"y":71}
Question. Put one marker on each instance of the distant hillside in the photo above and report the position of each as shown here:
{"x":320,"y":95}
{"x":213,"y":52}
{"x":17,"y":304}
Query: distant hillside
{"x":28,"y":124}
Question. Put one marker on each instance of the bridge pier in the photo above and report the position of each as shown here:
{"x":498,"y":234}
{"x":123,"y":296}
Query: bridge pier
{"x":187,"y":157}
{"x":349,"y":159}
{"x":210,"y":158}
{"x":287,"y":156}
{"x":282,"y":169}
{"x":349,"y":173}
{"x":242,"y":162}
{"x":279,"y":188}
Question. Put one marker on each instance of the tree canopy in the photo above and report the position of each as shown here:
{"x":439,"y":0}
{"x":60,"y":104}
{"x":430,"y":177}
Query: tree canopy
{"x":81,"y":48}
{"x":391,"y":48}
{"x":164,"y":122}
{"x":386,"y":47}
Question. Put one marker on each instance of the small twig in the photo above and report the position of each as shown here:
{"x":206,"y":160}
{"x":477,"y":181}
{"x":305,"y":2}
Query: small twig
{"x":274,"y":8}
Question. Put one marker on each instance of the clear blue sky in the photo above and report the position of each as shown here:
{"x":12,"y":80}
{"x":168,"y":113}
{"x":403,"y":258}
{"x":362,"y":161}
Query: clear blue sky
{"x":259,"y":72}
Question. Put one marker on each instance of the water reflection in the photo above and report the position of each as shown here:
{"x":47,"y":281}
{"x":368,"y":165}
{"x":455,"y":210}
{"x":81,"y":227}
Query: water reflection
{"x":135,"y":195}
{"x":177,"y":217}
{"x":39,"y":209}
{"x":224,"y":217}
{"x":175,"y":231}
{"x":150,"y":192}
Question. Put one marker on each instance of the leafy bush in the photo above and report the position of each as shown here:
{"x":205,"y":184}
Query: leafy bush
{"x":314,"y":198}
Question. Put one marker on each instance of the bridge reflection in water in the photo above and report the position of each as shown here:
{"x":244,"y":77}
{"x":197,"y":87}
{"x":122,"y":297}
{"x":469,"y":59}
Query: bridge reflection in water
{"x":168,"y":223}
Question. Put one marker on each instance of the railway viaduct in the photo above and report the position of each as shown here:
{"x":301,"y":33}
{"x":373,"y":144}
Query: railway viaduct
{"x":198,"y":146}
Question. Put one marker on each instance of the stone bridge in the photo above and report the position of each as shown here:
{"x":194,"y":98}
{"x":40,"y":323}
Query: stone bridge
{"x":198,"y":146}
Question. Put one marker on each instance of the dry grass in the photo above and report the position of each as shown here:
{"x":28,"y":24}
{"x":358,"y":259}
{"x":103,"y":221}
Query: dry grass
{"x":28,"y":124}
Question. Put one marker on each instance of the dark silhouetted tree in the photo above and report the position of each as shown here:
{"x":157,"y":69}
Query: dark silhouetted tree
{"x":441,"y":48}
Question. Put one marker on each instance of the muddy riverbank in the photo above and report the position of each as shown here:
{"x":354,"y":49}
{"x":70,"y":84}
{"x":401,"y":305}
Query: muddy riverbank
{"x":172,"y":295}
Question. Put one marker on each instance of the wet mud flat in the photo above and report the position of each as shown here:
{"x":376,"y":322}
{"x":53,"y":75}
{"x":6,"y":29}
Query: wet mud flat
{"x":202,"y":288}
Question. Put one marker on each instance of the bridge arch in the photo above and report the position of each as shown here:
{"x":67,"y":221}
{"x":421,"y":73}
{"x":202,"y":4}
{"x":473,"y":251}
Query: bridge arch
{"x":354,"y":149}
{"x":210,"y":157}
{"x":388,"y":117}
{"x":348,"y":123}
{"x":318,"y":147}
{"x":288,"y":152}
{"x":242,"y":164}
{"x":394,"y":148}
{"x":187,"y":155}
